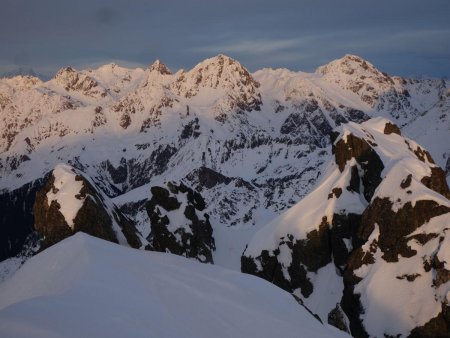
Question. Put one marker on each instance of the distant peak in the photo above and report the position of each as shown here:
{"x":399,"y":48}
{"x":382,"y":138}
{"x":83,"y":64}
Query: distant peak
{"x":64,"y":70}
{"x":110,"y":65}
{"x":220,"y":59}
{"x":24,"y":72}
{"x":160,"y":67}
{"x":352,"y":57}
{"x":348,"y":64}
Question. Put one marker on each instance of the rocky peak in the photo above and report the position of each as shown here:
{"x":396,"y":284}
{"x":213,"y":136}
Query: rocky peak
{"x":359,"y":76}
{"x":73,"y":80}
{"x":159,"y":67}
{"x":70,"y":202}
{"x":376,"y":226}
{"x":21,"y":82}
{"x":221,"y":73}
{"x":349,"y":65}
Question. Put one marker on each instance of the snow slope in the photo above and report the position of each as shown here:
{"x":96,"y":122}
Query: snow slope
{"x":86,"y":287}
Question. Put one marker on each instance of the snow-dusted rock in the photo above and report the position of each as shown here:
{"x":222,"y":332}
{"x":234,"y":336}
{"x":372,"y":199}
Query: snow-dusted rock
{"x":226,"y":79}
{"x":372,"y":237}
{"x":70,"y":202}
{"x":73,"y":80}
{"x":179,"y":224}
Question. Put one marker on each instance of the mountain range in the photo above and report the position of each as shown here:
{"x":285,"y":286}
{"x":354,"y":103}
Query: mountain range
{"x":333,"y":185}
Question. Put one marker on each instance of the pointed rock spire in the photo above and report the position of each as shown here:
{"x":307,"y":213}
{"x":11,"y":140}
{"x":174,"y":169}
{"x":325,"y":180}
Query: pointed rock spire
{"x":160,"y":67}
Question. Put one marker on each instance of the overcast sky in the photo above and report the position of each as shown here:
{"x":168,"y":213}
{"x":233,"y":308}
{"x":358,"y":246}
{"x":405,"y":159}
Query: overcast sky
{"x":402,"y":37}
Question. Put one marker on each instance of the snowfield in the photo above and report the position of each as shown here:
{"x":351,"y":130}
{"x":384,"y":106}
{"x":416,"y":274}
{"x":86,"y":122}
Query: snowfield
{"x":87,"y":287}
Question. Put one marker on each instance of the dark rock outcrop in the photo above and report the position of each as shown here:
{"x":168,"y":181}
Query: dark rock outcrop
{"x":17,"y":218}
{"x":179,"y":224}
{"x":369,"y":161}
{"x":94,"y":217}
{"x":207,"y":178}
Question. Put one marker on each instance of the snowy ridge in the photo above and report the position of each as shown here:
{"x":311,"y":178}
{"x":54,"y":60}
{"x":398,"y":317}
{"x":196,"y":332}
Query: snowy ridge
{"x":143,"y":293}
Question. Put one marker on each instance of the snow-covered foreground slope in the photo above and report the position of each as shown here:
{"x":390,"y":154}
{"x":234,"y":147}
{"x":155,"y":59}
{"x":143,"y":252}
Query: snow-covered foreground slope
{"x":86,"y":287}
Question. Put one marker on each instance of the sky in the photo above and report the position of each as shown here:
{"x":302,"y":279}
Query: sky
{"x":401,"y":37}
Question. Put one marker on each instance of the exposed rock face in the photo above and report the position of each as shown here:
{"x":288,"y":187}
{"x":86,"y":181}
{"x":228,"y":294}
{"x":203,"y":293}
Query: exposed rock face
{"x":366,"y":157}
{"x":338,"y":319}
{"x":159,"y":67}
{"x":368,"y":239}
{"x":375,"y":88}
{"x":178,"y":223}
{"x":16,"y":217}
{"x":207,"y":178}
{"x":391,"y":128}
{"x":73,"y":80}
{"x":222,"y":72}
{"x":235,"y":201}
{"x":69,"y":202}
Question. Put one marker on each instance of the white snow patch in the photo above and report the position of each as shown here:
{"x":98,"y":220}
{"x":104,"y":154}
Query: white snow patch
{"x":66,"y":190}
{"x":327,"y":292}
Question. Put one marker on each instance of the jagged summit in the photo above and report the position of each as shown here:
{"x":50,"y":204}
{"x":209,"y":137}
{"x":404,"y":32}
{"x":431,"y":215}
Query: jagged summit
{"x":225,"y":74}
{"x":73,"y":80}
{"x":348,"y":64}
{"x":21,"y":82}
{"x":221,"y":71}
{"x":159,"y":67}
{"x":63,"y":71}
{"x":375,"y":88}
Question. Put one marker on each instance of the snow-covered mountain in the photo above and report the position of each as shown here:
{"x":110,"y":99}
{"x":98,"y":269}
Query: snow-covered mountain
{"x":370,"y":244}
{"x":86,"y":287}
{"x":197,"y":162}
{"x":253,"y":144}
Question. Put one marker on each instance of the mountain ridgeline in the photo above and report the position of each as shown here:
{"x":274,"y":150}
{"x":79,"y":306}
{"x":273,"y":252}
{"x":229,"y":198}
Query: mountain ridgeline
{"x":312,"y":181}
